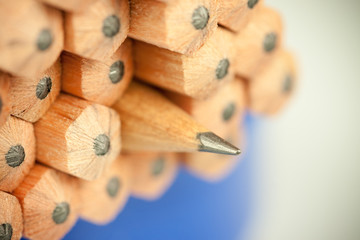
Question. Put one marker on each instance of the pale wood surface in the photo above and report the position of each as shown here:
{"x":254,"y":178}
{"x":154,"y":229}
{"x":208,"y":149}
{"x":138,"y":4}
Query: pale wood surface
{"x":84,"y":30}
{"x":22,"y":22}
{"x":89,"y":79}
{"x":10,"y":213}
{"x":169,"y":25}
{"x":70,"y":5}
{"x":17,"y":152}
{"x":67,"y":132}
{"x":4,"y":98}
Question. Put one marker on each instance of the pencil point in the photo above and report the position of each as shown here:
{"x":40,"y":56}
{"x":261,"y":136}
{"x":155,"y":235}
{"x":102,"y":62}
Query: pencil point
{"x":15,"y":156}
{"x":6,"y":231}
{"x":209,"y":142}
{"x":61,"y":212}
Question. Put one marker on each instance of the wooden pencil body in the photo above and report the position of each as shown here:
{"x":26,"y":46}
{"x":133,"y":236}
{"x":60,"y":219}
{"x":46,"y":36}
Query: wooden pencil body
{"x":48,"y":203}
{"x":98,"y":81}
{"x":150,"y":122}
{"x":99,"y":31}
{"x":103,"y":199}
{"x":70,"y":5}
{"x":17,"y":151}
{"x":31,"y":37}
{"x":11,"y":221}
{"x":182,"y":26}
{"x":31,"y":97}
{"x":198,"y":76}
{"x":257,"y":42}
{"x":152,"y":173}
{"x":5,"y":103}
{"x":78,"y":137}
{"x":273,"y":85}
{"x":235,"y":14}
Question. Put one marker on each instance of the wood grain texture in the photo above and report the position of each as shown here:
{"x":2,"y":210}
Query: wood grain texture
{"x":273,"y":85}
{"x":11,"y":221}
{"x":78,"y":137}
{"x":31,"y":37}
{"x":198,"y":76}
{"x":44,"y":193}
{"x":99,"y":31}
{"x":150,"y":122}
{"x":169,"y":24}
{"x":31,"y":97}
{"x":98,"y":81}
{"x":5,"y":103}
{"x":257,"y":42}
{"x":152,"y":173}
{"x":17,"y":152}
{"x":103,"y":198}
{"x":70,"y":5}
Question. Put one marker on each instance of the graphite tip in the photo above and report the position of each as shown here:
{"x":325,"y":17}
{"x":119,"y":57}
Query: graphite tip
{"x":209,"y":142}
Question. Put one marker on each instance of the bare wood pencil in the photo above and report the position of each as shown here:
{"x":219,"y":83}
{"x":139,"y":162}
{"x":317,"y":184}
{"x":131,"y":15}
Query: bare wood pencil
{"x":273,"y":85}
{"x":70,"y":5}
{"x":103,"y":198}
{"x":48,"y":203}
{"x":17,"y":152}
{"x":78,"y":137}
{"x":235,"y":14}
{"x":182,"y":26}
{"x":5,"y":103}
{"x":31,"y":37}
{"x":98,"y":81}
{"x":150,"y":122}
{"x":198,"y":76}
{"x":257,"y":42}
{"x":99,"y":31}
{"x":31,"y":97}
{"x":11,"y":221}
{"x":152,"y":173}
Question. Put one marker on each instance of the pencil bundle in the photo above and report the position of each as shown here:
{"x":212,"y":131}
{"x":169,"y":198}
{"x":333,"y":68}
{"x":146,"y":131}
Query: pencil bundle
{"x":105,"y":99}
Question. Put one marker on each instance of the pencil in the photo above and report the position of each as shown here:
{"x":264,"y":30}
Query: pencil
{"x":152,"y":173}
{"x":103,"y":199}
{"x":257,"y":42}
{"x":223,"y":113}
{"x":48,"y":203}
{"x":31,"y":97}
{"x":150,"y":122}
{"x":99,"y":31}
{"x":11,"y":222}
{"x":5,"y":103}
{"x":17,"y":151}
{"x":235,"y":14}
{"x":98,"y":81}
{"x":181,"y":26}
{"x":198,"y":76}
{"x":70,"y":5}
{"x":78,"y":137}
{"x":273,"y":85}
{"x":31,"y":37}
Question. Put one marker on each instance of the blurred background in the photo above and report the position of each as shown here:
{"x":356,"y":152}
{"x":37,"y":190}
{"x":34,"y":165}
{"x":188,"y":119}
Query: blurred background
{"x":300,"y":174}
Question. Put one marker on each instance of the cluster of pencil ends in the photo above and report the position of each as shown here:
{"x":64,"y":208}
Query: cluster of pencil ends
{"x":102,"y":99}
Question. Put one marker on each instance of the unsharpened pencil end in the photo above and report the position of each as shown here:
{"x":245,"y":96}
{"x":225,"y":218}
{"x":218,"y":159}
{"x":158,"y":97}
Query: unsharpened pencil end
{"x":210,"y":142}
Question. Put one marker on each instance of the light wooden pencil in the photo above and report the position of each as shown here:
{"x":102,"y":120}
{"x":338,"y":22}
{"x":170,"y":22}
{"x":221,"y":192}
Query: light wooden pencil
{"x":182,"y":26}
{"x":99,"y":31}
{"x":78,"y":137}
{"x":235,"y":14}
{"x":5,"y":103}
{"x":70,"y":5}
{"x":150,"y":122}
{"x":31,"y":97}
{"x":48,"y":203}
{"x":17,"y":152}
{"x":198,"y":76}
{"x":273,"y":85}
{"x":98,"y":81}
{"x":31,"y":37}
{"x":257,"y":42}
{"x":152,"y":173}
{"x":223,"y":113}
{"x":104,"y":198}
{"x":11,"y":221}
